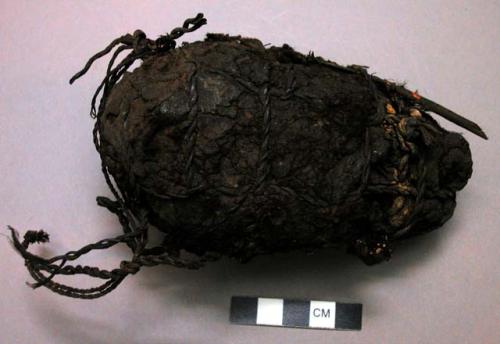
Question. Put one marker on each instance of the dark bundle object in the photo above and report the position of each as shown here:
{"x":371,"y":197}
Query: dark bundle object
{"x":233,"y":149}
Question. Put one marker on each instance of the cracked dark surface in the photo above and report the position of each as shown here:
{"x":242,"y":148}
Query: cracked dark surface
{"x":237,"y":149}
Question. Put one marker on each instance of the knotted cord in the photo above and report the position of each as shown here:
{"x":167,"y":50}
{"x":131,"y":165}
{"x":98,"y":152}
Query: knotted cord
{"x":134,"y":226}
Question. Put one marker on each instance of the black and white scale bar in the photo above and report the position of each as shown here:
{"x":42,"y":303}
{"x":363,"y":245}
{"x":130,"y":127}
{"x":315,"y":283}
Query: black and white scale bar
{"x":295,"y":313}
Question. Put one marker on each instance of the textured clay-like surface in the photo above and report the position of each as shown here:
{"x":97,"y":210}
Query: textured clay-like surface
{"x":237,"y":149}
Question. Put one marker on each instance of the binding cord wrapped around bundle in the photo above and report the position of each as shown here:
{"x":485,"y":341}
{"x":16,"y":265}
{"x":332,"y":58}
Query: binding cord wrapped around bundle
{"x":134,"y":225}
{"x":398,"y":130}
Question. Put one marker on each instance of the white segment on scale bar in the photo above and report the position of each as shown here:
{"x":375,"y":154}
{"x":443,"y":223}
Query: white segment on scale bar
{"x":269,"y":311}
{"x":322,"y":314}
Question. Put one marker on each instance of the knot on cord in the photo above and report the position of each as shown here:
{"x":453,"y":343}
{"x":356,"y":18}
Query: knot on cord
{"x":43,"y":270}
{"x":130,"y":267}
{"x":35,"y":237}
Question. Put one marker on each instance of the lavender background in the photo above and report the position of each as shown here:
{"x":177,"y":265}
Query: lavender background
{"x":441,"y":288}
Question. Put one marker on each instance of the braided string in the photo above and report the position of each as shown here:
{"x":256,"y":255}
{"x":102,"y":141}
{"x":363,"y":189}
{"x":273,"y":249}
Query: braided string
{"x":263,"y":168}
{"x":43,"y":270}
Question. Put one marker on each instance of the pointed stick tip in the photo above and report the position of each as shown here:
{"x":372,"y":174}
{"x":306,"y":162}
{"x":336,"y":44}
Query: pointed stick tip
{"x":476,"y":129}
{"x":481,"y":133}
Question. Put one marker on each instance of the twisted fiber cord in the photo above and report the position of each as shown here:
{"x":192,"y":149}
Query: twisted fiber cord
{"x":263,"y":167}
{"x":425,"y":103}
{"x":142,"y":47}
{"x":89,"y":293}
{"x":192,"y":133}
{"x":35,"y":264}
{"x":135,"y":235}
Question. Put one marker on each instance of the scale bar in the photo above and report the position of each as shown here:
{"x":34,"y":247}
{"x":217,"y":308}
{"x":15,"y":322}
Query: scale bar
{"x":295,"y":313}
